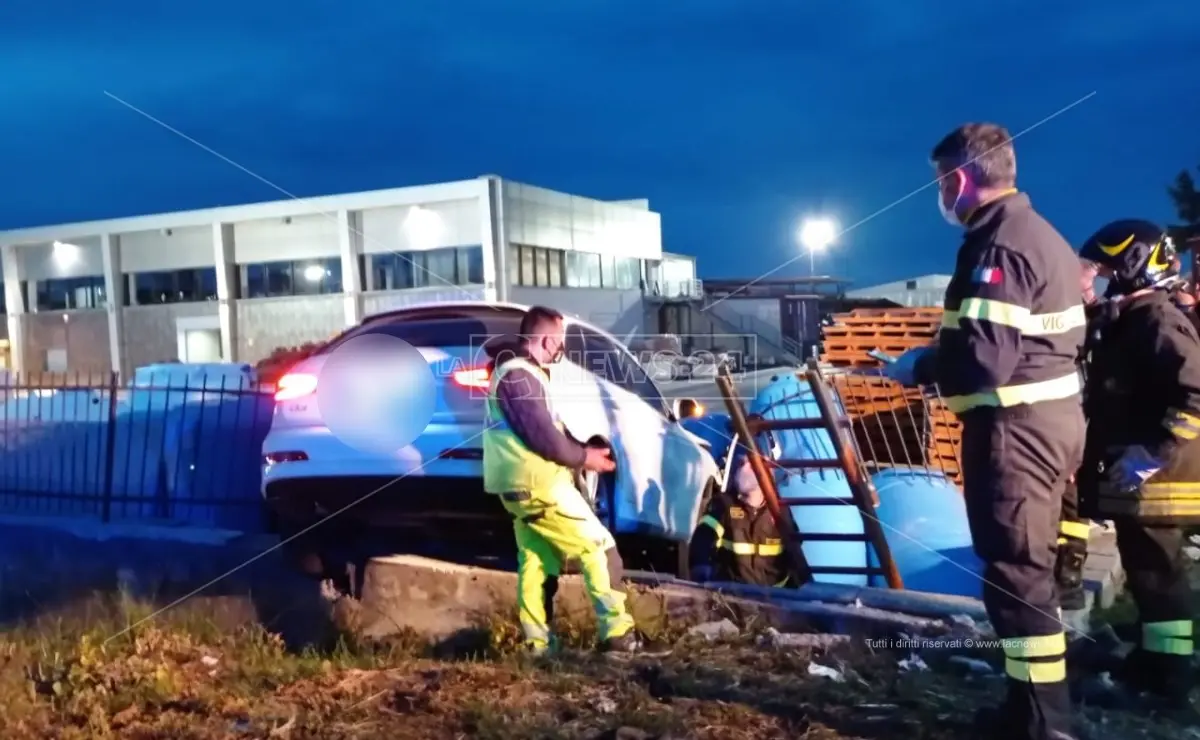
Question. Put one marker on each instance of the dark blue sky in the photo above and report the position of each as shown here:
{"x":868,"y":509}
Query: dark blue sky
{"x":735,"y":117}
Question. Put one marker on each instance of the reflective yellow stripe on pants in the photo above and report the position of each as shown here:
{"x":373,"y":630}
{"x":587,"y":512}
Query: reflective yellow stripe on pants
{"x":1169,"y":638}
{"x":1039,"y":659}
{"x":554,"y":528}
{"x":1073,"y":530}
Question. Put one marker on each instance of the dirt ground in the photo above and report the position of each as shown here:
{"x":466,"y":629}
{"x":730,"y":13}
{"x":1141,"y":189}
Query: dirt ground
{"x":81,"y":673}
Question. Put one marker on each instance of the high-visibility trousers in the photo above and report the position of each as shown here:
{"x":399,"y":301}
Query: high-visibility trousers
{"x":551,"y":528}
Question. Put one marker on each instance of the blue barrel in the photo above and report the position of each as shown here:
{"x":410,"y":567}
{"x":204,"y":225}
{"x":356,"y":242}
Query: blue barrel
{"x":925,"y":520}
{"x":789,"y":397}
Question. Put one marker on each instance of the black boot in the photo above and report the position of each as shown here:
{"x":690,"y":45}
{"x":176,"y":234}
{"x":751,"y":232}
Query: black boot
{"x":1030,"y":712}
{"x":1159,"y":682}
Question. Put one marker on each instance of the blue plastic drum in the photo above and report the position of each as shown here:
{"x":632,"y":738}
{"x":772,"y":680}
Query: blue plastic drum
{"x":925,"y":521}
{"x":789,"y":397}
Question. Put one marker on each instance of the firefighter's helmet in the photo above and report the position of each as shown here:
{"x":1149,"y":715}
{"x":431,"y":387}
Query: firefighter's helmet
{"x":1134,"y":254}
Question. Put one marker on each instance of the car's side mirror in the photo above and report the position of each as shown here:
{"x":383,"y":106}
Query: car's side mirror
{"x":686,"y":408}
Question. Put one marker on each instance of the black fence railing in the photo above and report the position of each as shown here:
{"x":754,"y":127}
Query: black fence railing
{"x":171,"y":446}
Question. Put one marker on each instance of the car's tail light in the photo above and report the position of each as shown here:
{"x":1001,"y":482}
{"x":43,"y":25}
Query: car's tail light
{"x":478,"y":377}
{"x":295,"y":385}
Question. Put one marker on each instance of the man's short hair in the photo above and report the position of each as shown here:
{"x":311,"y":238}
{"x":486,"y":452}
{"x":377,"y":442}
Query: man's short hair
{"x":536,"y":318}
{"x":985,"y":150}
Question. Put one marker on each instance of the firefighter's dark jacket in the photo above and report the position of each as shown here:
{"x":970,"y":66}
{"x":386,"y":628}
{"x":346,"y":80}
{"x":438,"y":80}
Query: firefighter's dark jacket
{"x":741,"y":544}
{"x":1013,"y":322}
{"x":1143,"y":388}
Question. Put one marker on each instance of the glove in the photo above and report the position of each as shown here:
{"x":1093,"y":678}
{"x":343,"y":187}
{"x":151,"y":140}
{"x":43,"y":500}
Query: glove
{"x":1133,"y":468}
{"x":904,"y":369}
{"x":702,"y":573}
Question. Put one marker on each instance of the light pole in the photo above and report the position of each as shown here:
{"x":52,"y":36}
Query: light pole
{"x":815,"y":235}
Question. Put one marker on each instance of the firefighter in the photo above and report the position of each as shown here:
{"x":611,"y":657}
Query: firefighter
{"x":1074,"y":530}
{"x":738,"y":540}
{"x":1006,"y":364}
{"x":1142,"y":459}
{"x":531,"y":464}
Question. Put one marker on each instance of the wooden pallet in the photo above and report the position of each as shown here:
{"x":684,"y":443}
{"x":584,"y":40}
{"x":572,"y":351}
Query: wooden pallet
{"x":892,"y":425}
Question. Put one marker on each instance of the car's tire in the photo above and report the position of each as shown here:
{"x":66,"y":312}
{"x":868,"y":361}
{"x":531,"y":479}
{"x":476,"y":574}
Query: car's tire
{"x":301,"y":549}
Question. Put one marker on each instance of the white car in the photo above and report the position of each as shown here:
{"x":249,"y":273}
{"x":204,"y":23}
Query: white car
{"x":433,"y":487}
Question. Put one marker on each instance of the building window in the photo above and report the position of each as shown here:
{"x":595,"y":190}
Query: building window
{"x":292,"y":278}
{"x":70,"y":293}
{"x":583,"y":270}
{"x":531,"y":267}
{"x":172,"y":286}
{"x":627,"y":274}
{"x":427,"y":269}
{"x":910,"y":285}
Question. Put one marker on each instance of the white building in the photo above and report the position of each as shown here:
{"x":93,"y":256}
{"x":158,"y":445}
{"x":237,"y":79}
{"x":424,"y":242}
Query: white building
{"x":927,"y":291}
{"x":234,"y":283}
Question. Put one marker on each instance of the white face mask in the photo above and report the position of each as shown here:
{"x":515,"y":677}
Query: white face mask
{"x":948,"y":213}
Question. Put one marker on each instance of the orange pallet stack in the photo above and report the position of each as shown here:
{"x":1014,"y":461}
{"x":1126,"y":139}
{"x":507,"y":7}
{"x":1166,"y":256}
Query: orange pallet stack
{"x":892,"y":425}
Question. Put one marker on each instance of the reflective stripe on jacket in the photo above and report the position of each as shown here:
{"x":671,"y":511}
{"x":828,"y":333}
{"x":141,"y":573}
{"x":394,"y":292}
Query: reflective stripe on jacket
{"x":1014,"y":320}
{"x":508,"y":465}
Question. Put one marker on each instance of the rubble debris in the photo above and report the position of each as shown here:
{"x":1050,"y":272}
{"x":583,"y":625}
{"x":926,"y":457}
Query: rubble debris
{"x":816,"y":669}
{"x":813,"y":640}
{"x":721,"y":630}
{"x":913,"y":662}
{"x":973,"y":665}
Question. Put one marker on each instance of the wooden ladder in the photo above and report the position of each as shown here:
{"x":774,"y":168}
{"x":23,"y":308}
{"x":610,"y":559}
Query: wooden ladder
{"x":863,"y":494}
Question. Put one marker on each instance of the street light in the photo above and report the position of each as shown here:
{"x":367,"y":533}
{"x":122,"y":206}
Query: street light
{"x":816,"y":234}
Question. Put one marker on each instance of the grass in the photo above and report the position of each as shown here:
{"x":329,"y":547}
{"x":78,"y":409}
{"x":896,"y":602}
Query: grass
{"x":185,"y":674}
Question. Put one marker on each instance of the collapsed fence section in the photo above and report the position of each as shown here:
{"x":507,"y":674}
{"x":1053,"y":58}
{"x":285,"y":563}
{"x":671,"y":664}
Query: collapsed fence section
{"x":175,"y":445}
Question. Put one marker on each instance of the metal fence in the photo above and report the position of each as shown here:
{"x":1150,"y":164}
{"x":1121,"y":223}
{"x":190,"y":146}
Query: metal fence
{"x":169,"y":447}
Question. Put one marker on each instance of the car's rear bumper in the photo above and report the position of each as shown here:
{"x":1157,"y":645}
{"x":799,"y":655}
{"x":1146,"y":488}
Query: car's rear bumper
{"x":426,"y":503}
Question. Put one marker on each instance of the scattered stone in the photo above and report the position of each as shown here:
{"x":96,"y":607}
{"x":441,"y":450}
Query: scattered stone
{"x":1192,"y":552}
{"x":816,"y":669}
{"x":723,"y":629}
{"x":973,"y":665}
{"x":604,"y":705}
{"x":817,"y":641}
{"x":913,"y":662}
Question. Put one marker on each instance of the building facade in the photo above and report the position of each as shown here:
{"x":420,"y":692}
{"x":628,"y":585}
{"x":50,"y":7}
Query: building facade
{"x":232,"y":284}
{"x":927,"y":291}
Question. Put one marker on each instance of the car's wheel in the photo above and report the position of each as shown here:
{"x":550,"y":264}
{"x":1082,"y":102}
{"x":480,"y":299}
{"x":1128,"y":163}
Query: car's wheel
{"x":300,"y":548}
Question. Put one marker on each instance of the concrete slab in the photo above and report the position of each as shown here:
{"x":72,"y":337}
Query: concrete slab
{"x":1103,"y":575}
{"x":442,"y":601}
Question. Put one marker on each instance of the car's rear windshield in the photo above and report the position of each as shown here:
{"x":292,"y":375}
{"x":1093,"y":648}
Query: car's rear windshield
{"x":438,"y":331}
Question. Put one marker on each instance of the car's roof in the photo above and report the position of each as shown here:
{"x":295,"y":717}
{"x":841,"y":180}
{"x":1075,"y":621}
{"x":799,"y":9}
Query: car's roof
{"x":431,"y":306}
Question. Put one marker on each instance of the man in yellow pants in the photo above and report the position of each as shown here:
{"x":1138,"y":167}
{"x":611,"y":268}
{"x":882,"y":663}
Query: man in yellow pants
{"x":530,"y":463}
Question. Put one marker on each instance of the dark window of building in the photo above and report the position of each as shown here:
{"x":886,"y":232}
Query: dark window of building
{"x":298,"y":277}
{"x":910,"y":285}
{"x":70,"y":293}
{"x":173,"y":286}
{"x":427,"y":269}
